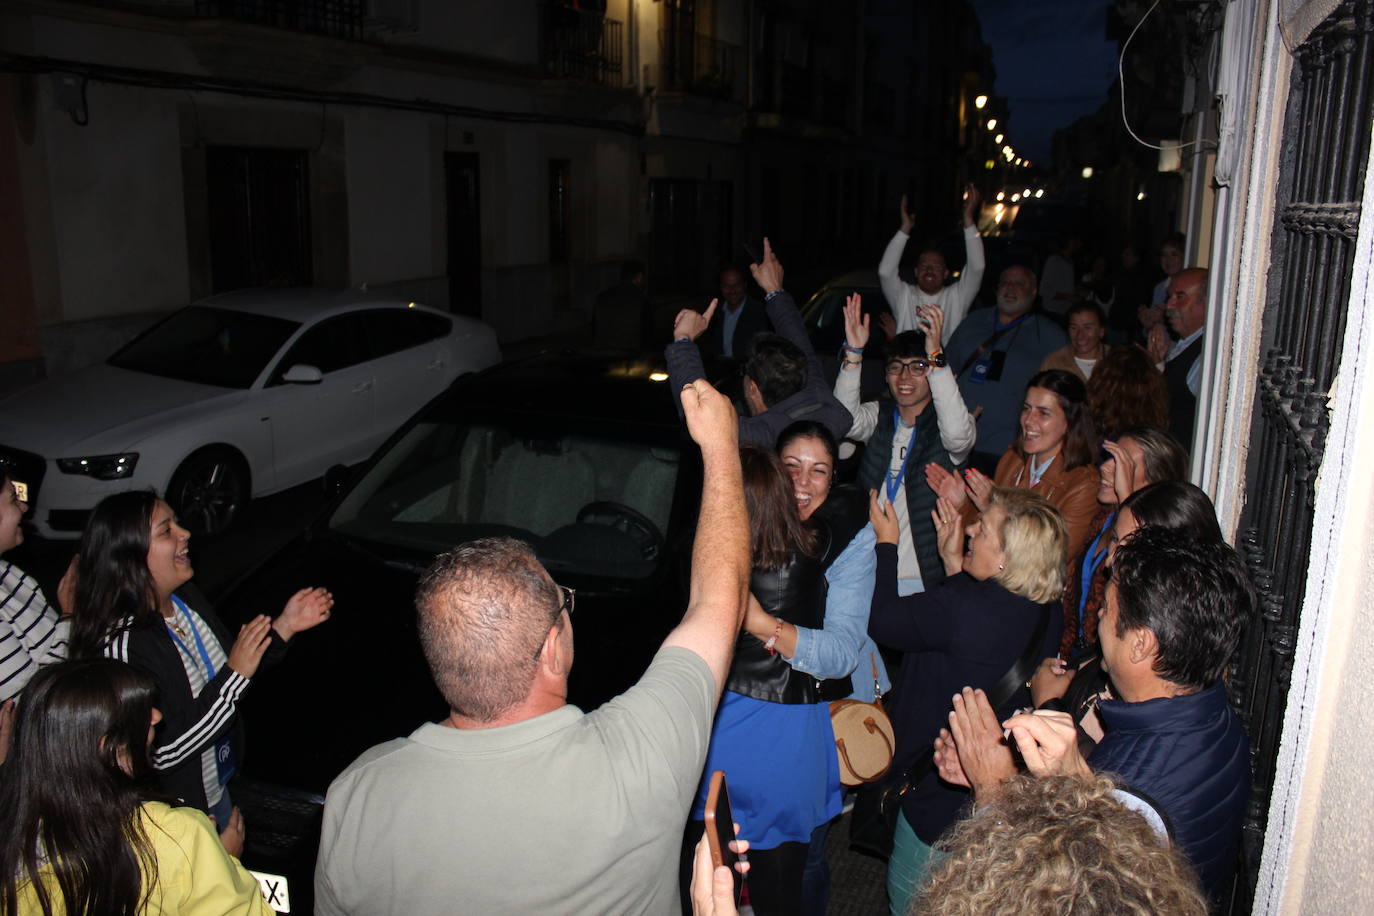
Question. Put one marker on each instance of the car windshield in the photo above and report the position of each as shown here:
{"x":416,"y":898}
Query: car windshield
{"x":211,"y":346}
{"x":593,"y":504}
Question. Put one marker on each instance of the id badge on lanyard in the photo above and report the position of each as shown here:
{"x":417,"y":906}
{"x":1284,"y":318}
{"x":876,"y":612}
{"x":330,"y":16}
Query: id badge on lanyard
{"x":225,"y":762}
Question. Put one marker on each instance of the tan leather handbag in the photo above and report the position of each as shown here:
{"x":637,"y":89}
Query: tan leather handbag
{"x":864,"y":738}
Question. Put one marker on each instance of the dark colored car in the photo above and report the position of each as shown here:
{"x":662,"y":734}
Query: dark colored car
{"x":823,"y":316}
{"x":583,"y":457}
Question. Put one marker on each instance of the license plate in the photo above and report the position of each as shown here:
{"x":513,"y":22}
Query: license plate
{"x":274,"y":890}
{"x":21,"y":489}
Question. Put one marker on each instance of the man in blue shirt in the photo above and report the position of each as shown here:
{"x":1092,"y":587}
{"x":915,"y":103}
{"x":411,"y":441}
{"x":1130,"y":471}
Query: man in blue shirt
{"x":993,"y":353}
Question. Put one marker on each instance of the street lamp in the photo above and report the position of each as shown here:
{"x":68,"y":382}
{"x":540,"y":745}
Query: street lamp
{"x":1140,"y":196}
{"x":992,"y":123}
{"x":980,"y":102}
{"x":1001,"y":195}
{"x":1087,"y":171}
{"x":998,"y":138}
{"x":1040,"y":192}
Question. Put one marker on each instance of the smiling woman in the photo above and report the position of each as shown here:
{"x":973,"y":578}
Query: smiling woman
{"x":135,"y":603}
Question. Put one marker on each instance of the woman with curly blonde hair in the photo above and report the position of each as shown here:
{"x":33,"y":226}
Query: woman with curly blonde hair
{"x":1126,"y":391}
{"x":1060,"y":845}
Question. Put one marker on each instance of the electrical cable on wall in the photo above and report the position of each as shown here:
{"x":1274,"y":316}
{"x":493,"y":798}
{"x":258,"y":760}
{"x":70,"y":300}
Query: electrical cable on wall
{"x":1121,"y":76}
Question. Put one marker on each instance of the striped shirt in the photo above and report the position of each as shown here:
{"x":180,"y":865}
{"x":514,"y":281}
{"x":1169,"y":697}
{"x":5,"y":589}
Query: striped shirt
{"x":31,"y":633}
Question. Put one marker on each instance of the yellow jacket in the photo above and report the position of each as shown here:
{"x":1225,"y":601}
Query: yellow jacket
{"x":195,"y":876}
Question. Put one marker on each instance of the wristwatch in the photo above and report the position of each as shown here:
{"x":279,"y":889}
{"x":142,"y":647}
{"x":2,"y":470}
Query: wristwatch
{"x":938,"y":360}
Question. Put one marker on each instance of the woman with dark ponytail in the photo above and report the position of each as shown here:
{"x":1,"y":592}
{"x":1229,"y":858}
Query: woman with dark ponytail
{"x":81,"y":831}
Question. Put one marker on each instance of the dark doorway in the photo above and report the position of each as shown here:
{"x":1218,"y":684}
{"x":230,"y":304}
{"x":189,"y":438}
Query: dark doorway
{"x":463,"y":184}
{"x":693,"y":232}
{"x":259,"y":217}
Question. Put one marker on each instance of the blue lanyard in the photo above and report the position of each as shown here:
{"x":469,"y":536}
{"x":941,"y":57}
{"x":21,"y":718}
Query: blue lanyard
{"x":999,"y":327}
{"x":200,"y":644}
{"x":1092,"y":560}
{"x":894,"y":481}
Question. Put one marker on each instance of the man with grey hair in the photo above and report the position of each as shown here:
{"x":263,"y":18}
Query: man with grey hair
{"x":993,"y":355}
{"x":518,"y":802}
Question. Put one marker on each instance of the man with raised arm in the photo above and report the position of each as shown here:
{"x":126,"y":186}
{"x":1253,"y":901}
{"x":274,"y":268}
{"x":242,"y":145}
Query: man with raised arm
{"x":783,"y":379}
{"x":905,"y":433}
{"x":906,"y":300}
{"x":518,"y":802}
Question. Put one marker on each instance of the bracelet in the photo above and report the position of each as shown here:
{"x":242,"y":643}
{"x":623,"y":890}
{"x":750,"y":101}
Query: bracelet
{"x":849,"y":349}
{"x":769,"y":297}
{"x":773,"y":640}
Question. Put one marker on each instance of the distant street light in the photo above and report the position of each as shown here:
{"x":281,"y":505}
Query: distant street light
{"x":980,"y":102}
{"x":1006,"y":151}
{"x":1001,"y":195}
{"x":992,"y":123}
{"x":998,"y":138}
{"x":1026,"y":193}
{"x":989,"y":165}
{"x":1140,"y":196}
{"x":1087,"y":171}
{"x":1015,"y":198}
{"x":1040,"y":192}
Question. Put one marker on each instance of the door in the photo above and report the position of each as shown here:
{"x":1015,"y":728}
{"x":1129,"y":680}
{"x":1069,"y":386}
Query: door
{"x":315,"y":426}
{"x":462,"y":182}
{"x":258,"y":208}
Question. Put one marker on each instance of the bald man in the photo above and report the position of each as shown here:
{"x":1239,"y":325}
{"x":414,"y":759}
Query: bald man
{"x":1185,"y":311}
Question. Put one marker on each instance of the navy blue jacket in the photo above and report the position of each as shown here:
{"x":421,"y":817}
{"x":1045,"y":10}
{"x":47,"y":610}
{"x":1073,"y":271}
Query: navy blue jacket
{"x":961,"y":633}
{"x":1191,"y":757}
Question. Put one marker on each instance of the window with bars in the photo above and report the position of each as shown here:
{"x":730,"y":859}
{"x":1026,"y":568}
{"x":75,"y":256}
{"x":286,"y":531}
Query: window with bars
{"x":1326,"y":144}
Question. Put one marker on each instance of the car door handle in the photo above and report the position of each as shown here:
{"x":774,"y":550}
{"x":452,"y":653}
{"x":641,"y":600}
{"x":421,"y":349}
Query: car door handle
{"x":362,"y":387}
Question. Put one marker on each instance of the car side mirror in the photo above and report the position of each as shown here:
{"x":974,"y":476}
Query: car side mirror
{"x":336,"y":479}
{"x":301,"y":374}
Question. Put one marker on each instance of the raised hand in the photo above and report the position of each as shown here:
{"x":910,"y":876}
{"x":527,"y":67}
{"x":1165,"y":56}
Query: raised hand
{"x":971,"y":202}
{"x":949,"y":535}
{"x":711,"y":418}
{"x":947,"y":760}
{"x":908,"y":221}
{"x":884,"y":519}
{"x":691,"y":323}
{"x":855,"y":322}
{"x":946,"y":485}
{"x":1050,"y":681}
{"x":1049,"y":743}
{"x":1126,"y":474}
{"x":254,"y":638}
{"x":979,"y":488}
{"x":985,"y":757}
{"x":932,"y":320}
{"x":768,"y":274}
{"x":307,"y":608}
{"x":1157,"y":344}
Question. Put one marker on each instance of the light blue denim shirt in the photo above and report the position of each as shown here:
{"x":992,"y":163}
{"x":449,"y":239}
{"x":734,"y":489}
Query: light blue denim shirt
{"x":843,"y":645}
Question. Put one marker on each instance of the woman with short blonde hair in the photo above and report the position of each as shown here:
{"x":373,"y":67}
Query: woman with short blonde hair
{"x":988,"y":622}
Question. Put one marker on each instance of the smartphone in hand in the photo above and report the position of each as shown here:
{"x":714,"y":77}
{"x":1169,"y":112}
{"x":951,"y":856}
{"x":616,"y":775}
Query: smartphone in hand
{"x":720,"y":829}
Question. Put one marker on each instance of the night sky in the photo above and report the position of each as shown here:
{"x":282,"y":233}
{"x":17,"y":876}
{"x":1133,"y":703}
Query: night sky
{"x":1053,"y":63}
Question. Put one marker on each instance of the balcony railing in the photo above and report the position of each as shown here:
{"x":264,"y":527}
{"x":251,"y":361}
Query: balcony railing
{"x":582,"y":46}
{"x":689,"y":62}
{"x":335,"y":18}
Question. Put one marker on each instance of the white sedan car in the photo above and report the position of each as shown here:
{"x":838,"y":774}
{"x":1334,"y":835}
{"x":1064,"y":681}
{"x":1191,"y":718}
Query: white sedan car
{"x":242,"y":394}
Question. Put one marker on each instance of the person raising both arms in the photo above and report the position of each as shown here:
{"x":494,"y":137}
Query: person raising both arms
{"x":932,"y":273}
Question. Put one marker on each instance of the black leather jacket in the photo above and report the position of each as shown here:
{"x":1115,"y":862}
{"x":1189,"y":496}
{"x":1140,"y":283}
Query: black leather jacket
{"x":796,"y":593}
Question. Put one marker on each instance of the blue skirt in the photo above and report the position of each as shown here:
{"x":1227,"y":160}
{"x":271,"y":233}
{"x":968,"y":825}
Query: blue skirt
{"x":780,"y":766}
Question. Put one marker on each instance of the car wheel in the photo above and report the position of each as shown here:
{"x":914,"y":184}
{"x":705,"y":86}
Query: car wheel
{"x":208,"y":490}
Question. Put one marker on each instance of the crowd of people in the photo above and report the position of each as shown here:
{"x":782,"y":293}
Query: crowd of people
{"x":1019,"y":572}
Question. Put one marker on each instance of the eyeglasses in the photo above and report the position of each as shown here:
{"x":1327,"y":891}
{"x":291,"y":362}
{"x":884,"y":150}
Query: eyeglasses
{"x":569,"y":599}
{"x":912,"y":367}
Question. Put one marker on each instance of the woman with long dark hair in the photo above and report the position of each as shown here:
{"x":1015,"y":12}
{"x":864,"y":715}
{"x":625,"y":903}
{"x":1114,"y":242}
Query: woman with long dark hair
{"x":1053,"y":456}
{"x":134,"y":602}
{"x":772,"y":733}
{"x":80,"y":831}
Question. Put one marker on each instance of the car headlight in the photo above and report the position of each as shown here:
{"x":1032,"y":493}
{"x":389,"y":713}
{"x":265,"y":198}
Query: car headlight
{"x":101,"y":467}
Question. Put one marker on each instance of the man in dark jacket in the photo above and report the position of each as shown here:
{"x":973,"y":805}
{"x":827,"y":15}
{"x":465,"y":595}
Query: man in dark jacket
{"x":1174,"y":611}
{"x":783,"y":379}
